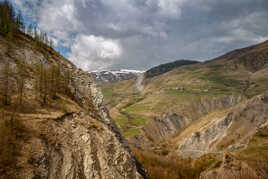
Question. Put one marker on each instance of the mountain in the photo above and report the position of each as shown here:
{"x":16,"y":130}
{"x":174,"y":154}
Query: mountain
{"x":114,"y":75}
{"x":53,"y":123}
{"x":253,"y":58}
{"x":214,"y":112}
{"x":163,"y":68}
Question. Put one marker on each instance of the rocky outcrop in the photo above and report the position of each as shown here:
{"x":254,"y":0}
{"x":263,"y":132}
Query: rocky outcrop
{"x":211,"y":104}
{"x":74,"y":146}
{"x":141,"y":141}
{"x":160,"y":129}
{"x":74,"y":140}
{"x":226,"y":133}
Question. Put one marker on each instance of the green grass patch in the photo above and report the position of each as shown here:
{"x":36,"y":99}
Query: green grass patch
{"x":220,"y":80}
{"x":134,"y":98}
{"x":122,"y":121}
{"x":131,"y":132}
{"x":215,"y":68}
{"x":178,"y":92}
{"x":199,"y":87}
{"x":222,"y":84}
{"x":256,"y":154}
{"x":107,"y":91}
{"x":210,"y":163}
{"x":137,"y":108}
{"x":138,"y":120}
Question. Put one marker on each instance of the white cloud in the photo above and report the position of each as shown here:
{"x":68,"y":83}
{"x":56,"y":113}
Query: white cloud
{"x":149,"y":30}
{"x":243,"y":34}
{"x":168,"y":8}
{"x":246,"y":28}
{"x":90,"y":52}
{"x":59,"y":17}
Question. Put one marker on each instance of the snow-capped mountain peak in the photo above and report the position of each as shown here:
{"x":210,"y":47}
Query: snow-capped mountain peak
{"x":110,"y":76}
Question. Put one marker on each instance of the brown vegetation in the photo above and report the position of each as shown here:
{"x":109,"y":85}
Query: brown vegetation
{"x":167,"y":167}
{"x":11,"y":131}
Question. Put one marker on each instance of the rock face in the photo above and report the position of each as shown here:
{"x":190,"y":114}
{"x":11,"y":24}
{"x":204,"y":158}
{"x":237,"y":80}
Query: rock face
{"x":77,"y":142}
{"x":75,"y":146}
{"x":227,"y":133}
{"x":161,"y":129}
{"x":211,"y":104}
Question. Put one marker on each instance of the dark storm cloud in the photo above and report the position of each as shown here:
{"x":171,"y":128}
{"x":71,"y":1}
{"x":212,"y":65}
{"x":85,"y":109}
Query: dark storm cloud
{"x":142,"y":33}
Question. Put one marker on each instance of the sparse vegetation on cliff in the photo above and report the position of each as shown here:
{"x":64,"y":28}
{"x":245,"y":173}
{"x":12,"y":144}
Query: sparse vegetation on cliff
{"x":52,"y":122}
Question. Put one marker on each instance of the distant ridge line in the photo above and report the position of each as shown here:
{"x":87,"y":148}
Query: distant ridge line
{"x":164,"y":68}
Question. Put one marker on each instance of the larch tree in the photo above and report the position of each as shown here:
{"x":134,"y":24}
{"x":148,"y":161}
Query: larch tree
{"x":6,"y":83}
{"x":21,"y":77}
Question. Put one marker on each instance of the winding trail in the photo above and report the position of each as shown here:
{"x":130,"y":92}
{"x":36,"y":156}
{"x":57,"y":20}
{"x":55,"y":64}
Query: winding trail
{"x":203,"y":151}
{"x":139,"y":85}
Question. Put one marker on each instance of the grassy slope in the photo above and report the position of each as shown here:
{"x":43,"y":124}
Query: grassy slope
{"x":229,"y":75}
{"x":256,"y":154}
{"x":160,"y":97}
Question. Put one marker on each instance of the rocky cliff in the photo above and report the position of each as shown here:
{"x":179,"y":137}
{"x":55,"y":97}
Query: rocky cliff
{"x":168,"y":125}
{"x":228,"y":131}
{"x":163,"y":127}
{"x":71,"y":136}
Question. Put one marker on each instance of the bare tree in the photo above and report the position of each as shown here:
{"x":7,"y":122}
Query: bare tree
{"x":39,"y":73}
{"x":5,"y":79}
{"x":20,"y":77}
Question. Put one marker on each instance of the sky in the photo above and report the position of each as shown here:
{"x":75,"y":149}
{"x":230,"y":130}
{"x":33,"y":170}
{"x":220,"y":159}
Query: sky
{"x":139,"y":34}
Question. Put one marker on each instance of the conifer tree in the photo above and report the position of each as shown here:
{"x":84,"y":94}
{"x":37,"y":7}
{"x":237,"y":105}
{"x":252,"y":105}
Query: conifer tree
{"x":10,"y":23}
{"x":30,"y":30}
{"x":19,"y":21}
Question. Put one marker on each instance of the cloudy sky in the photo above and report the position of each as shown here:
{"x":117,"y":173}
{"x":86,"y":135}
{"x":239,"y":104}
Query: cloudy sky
{"x":139,"y":34}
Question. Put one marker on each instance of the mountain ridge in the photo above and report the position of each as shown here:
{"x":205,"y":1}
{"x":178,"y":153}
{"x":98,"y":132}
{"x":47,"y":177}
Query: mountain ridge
{"x":164,"y":68}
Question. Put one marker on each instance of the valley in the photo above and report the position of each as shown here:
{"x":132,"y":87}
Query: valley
{"x":211,"y":108}
{"x":187,"y":119}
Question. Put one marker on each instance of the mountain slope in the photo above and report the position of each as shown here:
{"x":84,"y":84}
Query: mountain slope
{"x":158,"y":70}
{"x":54,"y":124}
{"x":253,"y":58}
{"x":225,"y":132}
{"x":191,"y":106}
